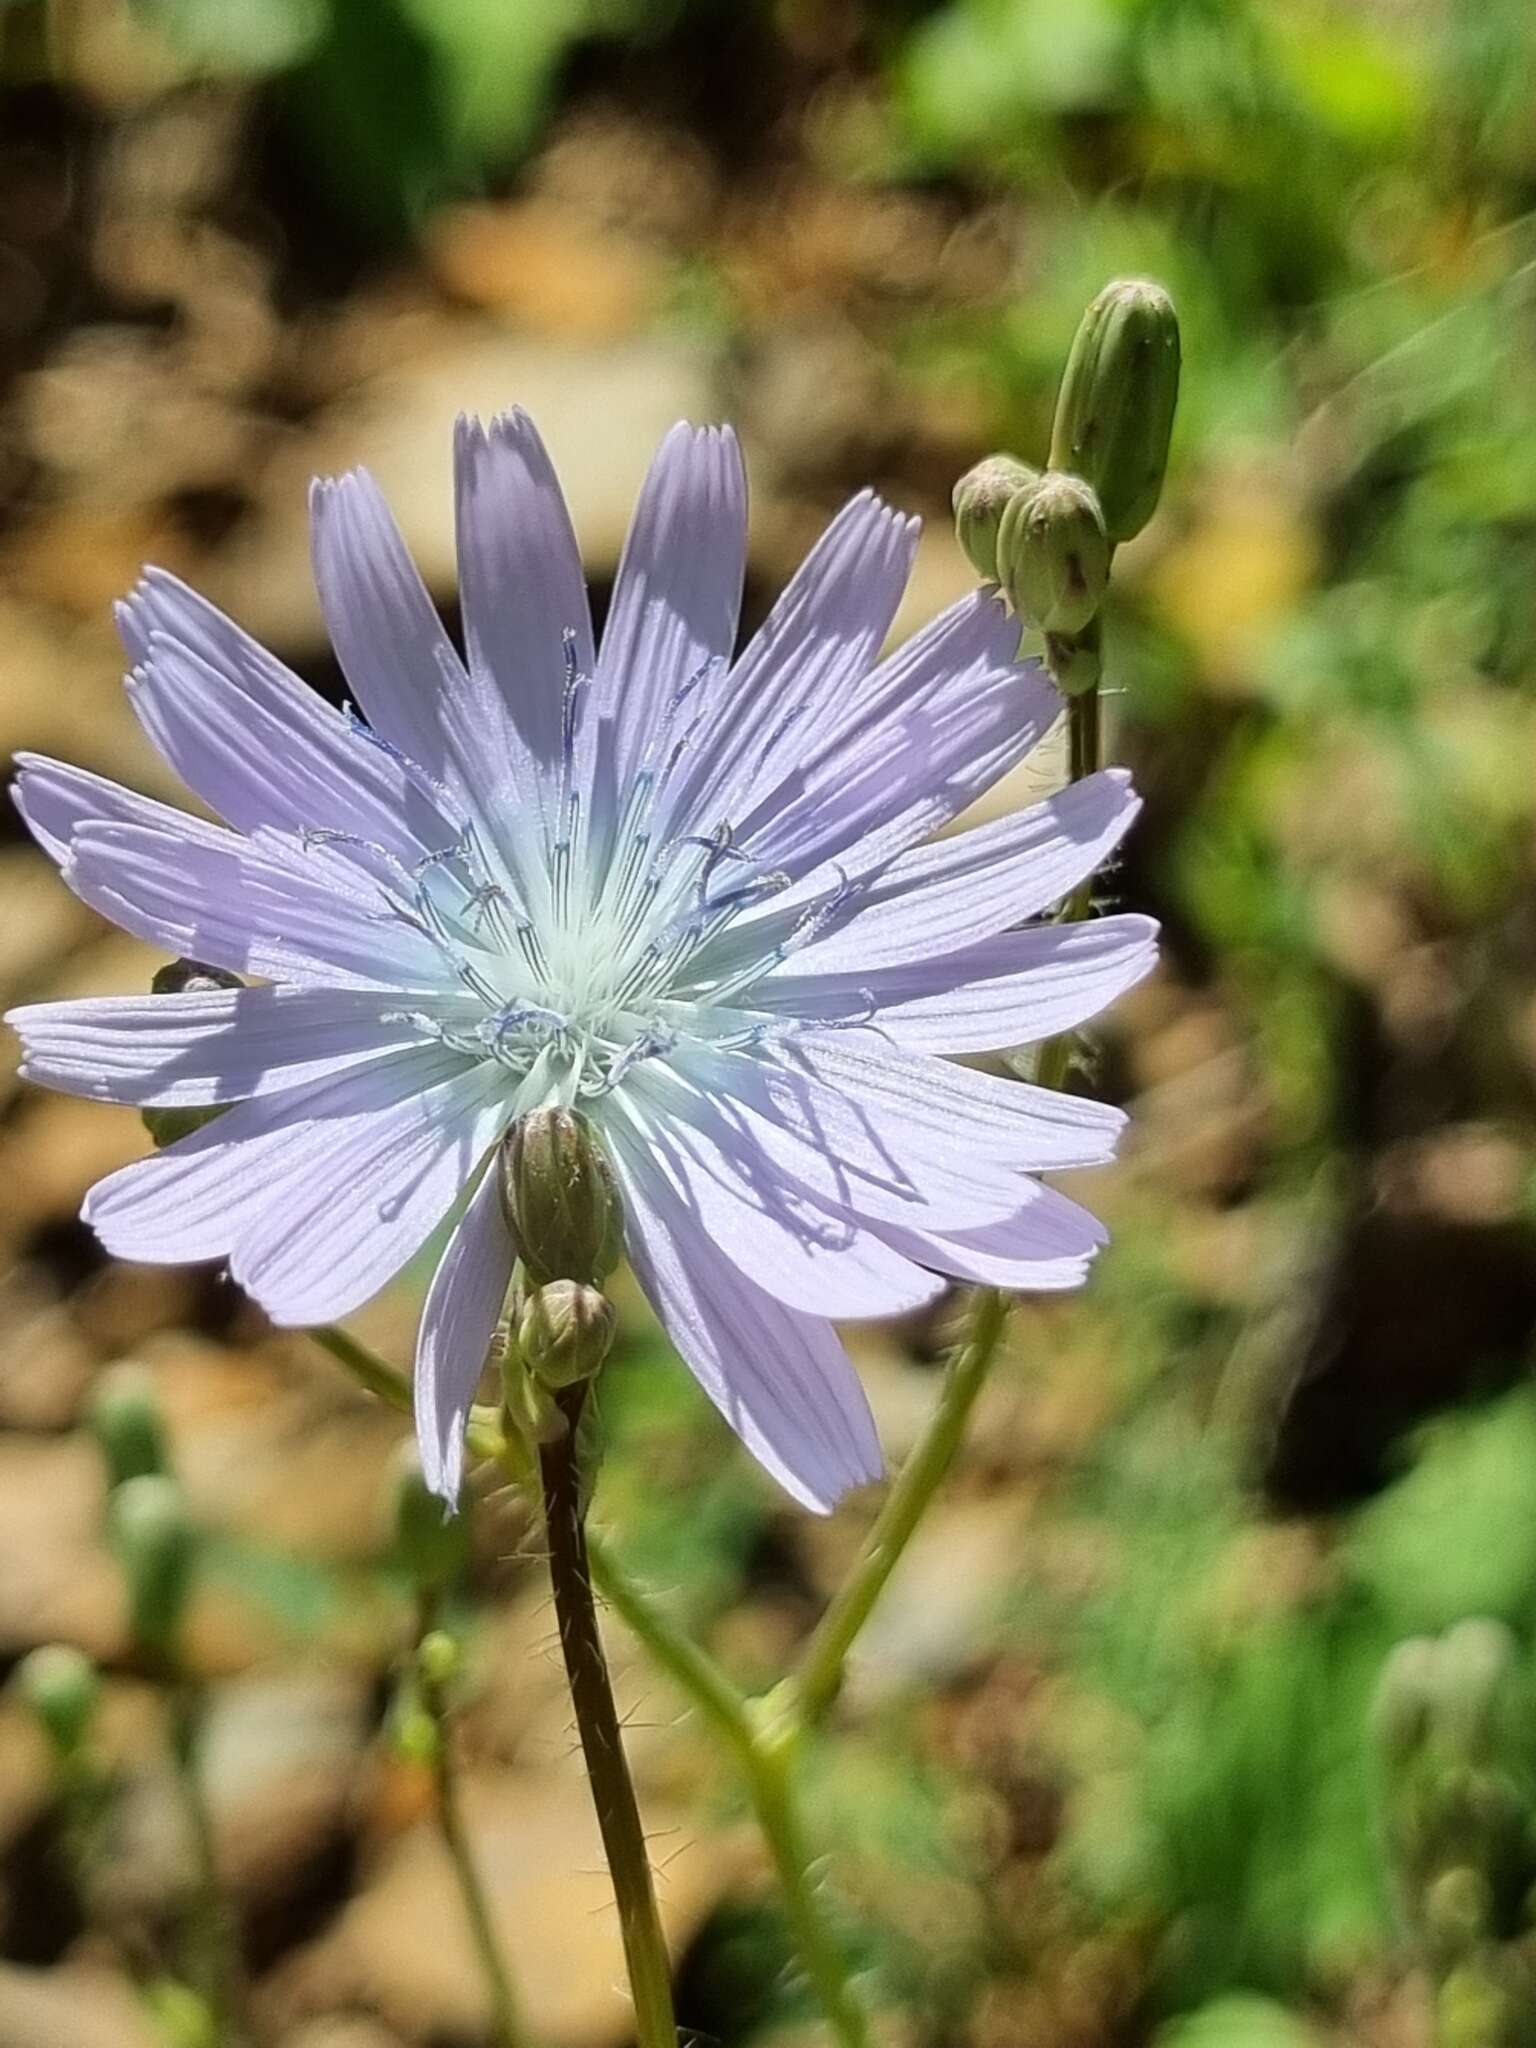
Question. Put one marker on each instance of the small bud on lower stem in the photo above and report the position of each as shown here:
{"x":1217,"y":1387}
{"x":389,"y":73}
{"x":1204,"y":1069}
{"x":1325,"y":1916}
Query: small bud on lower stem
{"x":63,"y":1688}
{"x":559,"y":1198}
{"x":1053,"y":553}
{"x":1119,"y":392}
{"x":126,"y":1422}
{"x":565,"y":1332}
{"x":156,"y":1545}
{"x":979,"y":500}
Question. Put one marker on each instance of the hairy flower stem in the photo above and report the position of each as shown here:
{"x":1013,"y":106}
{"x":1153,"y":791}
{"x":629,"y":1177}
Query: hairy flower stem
{"x":597,"y":1721}
{"x":507,"y":2029}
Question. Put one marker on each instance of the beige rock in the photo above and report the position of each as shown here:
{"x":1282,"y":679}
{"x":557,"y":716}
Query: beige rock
{"x":74,"y":2008}
{"x":602,"y":411}
{"x":57,"y":1583}
{"x":347,"y":2031}
{"x":45,"y":1363}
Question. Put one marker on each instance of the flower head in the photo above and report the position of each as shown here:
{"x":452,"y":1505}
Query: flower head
{"x":682,"y":890}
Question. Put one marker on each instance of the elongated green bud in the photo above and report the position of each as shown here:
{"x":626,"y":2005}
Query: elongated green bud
{"x":559,"y":1197}
{"x":1119,"y":392}
{"x":1473,"y":1663}
{"x":63,"y":1688}
{"x":1404,"y":1700}
{"x":181,"y":978}
{"x":126,"y":1422}
{"x":156,"y":1546}
{"x":979,"y":500}
{"x":1053,"y":553}
{"x":565,"y":1332}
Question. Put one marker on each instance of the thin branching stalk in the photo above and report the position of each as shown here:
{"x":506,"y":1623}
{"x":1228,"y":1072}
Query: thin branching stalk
{"x":216,"y":1967}
{"x":507,"y":2026}
{"x":820,"y":1677}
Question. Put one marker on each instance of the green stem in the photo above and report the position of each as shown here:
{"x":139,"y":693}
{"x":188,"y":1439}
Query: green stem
{"x":820,"y":1676}
{"x":771,"y":1777}
{"x":216,"y":1968}
{"x":507,"y":2029}
{"x":597,"y":1722}
{"x":764,"y":1740}
{"x":365,"y":1366}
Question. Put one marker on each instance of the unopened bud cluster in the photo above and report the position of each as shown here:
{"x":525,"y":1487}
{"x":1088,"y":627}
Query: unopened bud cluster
{"x":1048,"y":539}
{"x":564,"y":1217}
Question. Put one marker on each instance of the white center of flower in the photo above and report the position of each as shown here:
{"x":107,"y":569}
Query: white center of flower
{"x":593,"y":943}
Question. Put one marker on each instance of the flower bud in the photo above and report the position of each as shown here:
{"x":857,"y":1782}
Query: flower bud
{"x":413,"y":1730}
{"x":565,"y":1332}
{"x":1456,"y":1909}
{"x":1404,"y":1699}
{"x":1119,"y":391}
{"x":156,"y":1546}
{"x":63,"y":1688}
{"x":1473,"y":1661}
{"x":431,"y":1544}
{"x":979,"y":500}
{"x":559,"y":1198}
{"x":1053,"y":554}
{"x":126,"y":1422}
{"x":439,"y":1659}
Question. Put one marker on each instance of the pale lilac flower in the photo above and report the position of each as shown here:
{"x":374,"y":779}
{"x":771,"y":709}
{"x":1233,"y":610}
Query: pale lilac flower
{"x":683,"y":890}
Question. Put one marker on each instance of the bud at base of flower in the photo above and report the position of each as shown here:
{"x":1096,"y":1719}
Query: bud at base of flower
{"x":559,"y":1198}
{"x":980,"y":500}
{"x":156,"y":1546}
{"x":63,"y":1689}
{"x":1053,"y":553}
{"x":565,"y":1332}
{"x":1118,"y":396}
